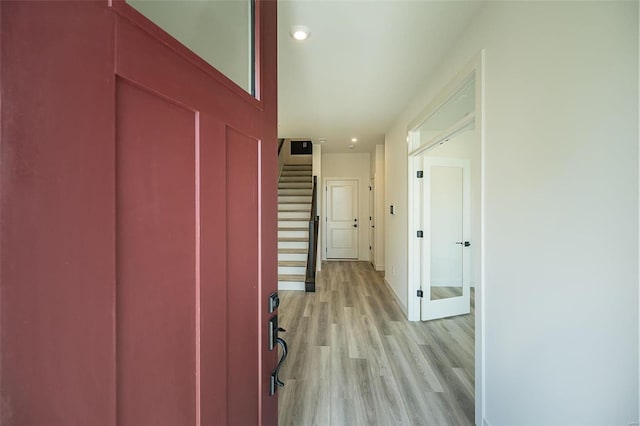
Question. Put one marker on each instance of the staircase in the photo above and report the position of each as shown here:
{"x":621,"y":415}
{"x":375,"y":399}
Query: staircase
{"x":294,"y":207}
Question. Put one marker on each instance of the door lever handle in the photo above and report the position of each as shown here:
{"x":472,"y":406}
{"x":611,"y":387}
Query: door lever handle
{"x":285,"y":350}
{"x":274,"y":379}
{"x":465,"y":243}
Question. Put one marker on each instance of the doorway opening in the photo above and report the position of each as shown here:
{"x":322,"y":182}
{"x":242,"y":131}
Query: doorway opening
{"x":445,"y":204}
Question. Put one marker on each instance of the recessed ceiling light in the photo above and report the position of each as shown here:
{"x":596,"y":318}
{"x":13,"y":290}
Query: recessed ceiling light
{"x":321,"y":141}
{"x":354,"y":139}
{"x":300,"y":32}
{"x":351,"y":146}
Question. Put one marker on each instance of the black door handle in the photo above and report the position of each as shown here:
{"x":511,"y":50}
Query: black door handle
{"x":465,"y":243}
{"x":275,"y":380}
{"x":355,"y":226}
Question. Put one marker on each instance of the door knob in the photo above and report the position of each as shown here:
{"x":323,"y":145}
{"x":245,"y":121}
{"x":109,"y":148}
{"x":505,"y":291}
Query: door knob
{"x":355,"y":226}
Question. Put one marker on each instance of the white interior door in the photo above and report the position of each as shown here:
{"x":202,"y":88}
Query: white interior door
{"x":372,"y":223}
{"x":445,"y":262}
{"x":342,"y":219}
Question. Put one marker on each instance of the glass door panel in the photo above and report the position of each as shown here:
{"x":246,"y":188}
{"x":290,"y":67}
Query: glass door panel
{"x":220,"y":32}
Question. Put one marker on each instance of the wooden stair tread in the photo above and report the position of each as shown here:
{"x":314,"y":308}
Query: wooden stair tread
{"x":293,"y":229}
{"x":293,"y":202}
{"x":293,"y":239}
{"x":291,"y":278}
{"x":292,"y":219}
{"x":295,"y":211}
{"x":292,"y":263}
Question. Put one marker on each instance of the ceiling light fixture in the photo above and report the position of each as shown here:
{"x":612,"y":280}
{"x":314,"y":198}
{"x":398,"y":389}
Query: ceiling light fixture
{"x":354,"y":139}
{"x":300,"y":32}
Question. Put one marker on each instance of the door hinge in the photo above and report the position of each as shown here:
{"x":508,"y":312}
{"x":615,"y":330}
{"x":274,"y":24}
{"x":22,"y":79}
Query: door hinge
{"x":420,"y":293}
{"x":420,"y":174}
{"x":369,"y":247}
{"x":369,"y":217}
{"x":369,"y":188}
{"x":420,"y":234}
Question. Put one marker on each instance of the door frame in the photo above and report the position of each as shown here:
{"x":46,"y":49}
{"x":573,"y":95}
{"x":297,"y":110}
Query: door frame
{"x":475,"y":69}
{"x":325,"y":239}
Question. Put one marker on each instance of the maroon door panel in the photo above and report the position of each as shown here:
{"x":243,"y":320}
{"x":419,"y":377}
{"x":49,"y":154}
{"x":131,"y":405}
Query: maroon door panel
{"x":57,"y":252}
{"x":137,"y":223}
{"x":212,"y":261}
{"x":242,"y":264}
{"x":156,"y":262}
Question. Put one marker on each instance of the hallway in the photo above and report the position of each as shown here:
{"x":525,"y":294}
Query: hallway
{"x":355,"y":360}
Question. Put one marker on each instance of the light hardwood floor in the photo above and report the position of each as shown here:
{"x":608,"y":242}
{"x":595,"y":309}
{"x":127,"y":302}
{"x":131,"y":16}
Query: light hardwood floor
{"x":354,"y":359}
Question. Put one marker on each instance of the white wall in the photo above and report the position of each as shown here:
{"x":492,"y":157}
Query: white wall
{"x":351,"y":166}
{"x":560,"y":296}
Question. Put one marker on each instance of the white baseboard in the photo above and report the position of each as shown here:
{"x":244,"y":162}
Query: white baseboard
{"x":379,"y":267}
{"x":396,"y":298}
{"x":290,"y":285}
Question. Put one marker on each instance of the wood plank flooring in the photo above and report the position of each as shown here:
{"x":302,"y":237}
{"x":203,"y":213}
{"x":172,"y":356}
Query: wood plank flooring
{"x":354,"y":359}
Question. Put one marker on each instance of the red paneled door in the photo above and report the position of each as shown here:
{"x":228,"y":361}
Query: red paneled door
{"x":137,"y":223}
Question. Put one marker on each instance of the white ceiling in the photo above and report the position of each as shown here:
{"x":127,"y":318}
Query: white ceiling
{"x":361,"y":66}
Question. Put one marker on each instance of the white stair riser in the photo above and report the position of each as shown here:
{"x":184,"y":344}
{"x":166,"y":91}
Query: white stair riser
{"x":290,"y":285}
{"x":293,"y":234}
{"x":298,"y":198}
{"x":301,"y":206}
{"x":292,"y":270}
{"x":293,"y":223}
{"x":293,"y":185}
{"x":293,"y":244}
{"x":298,"y":257}
{"x":294,"y":215}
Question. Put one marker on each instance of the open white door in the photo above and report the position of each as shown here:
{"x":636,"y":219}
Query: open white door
{"x":372,"y":223}
{"x":342,"y":219}
{"x":445,"y":263}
